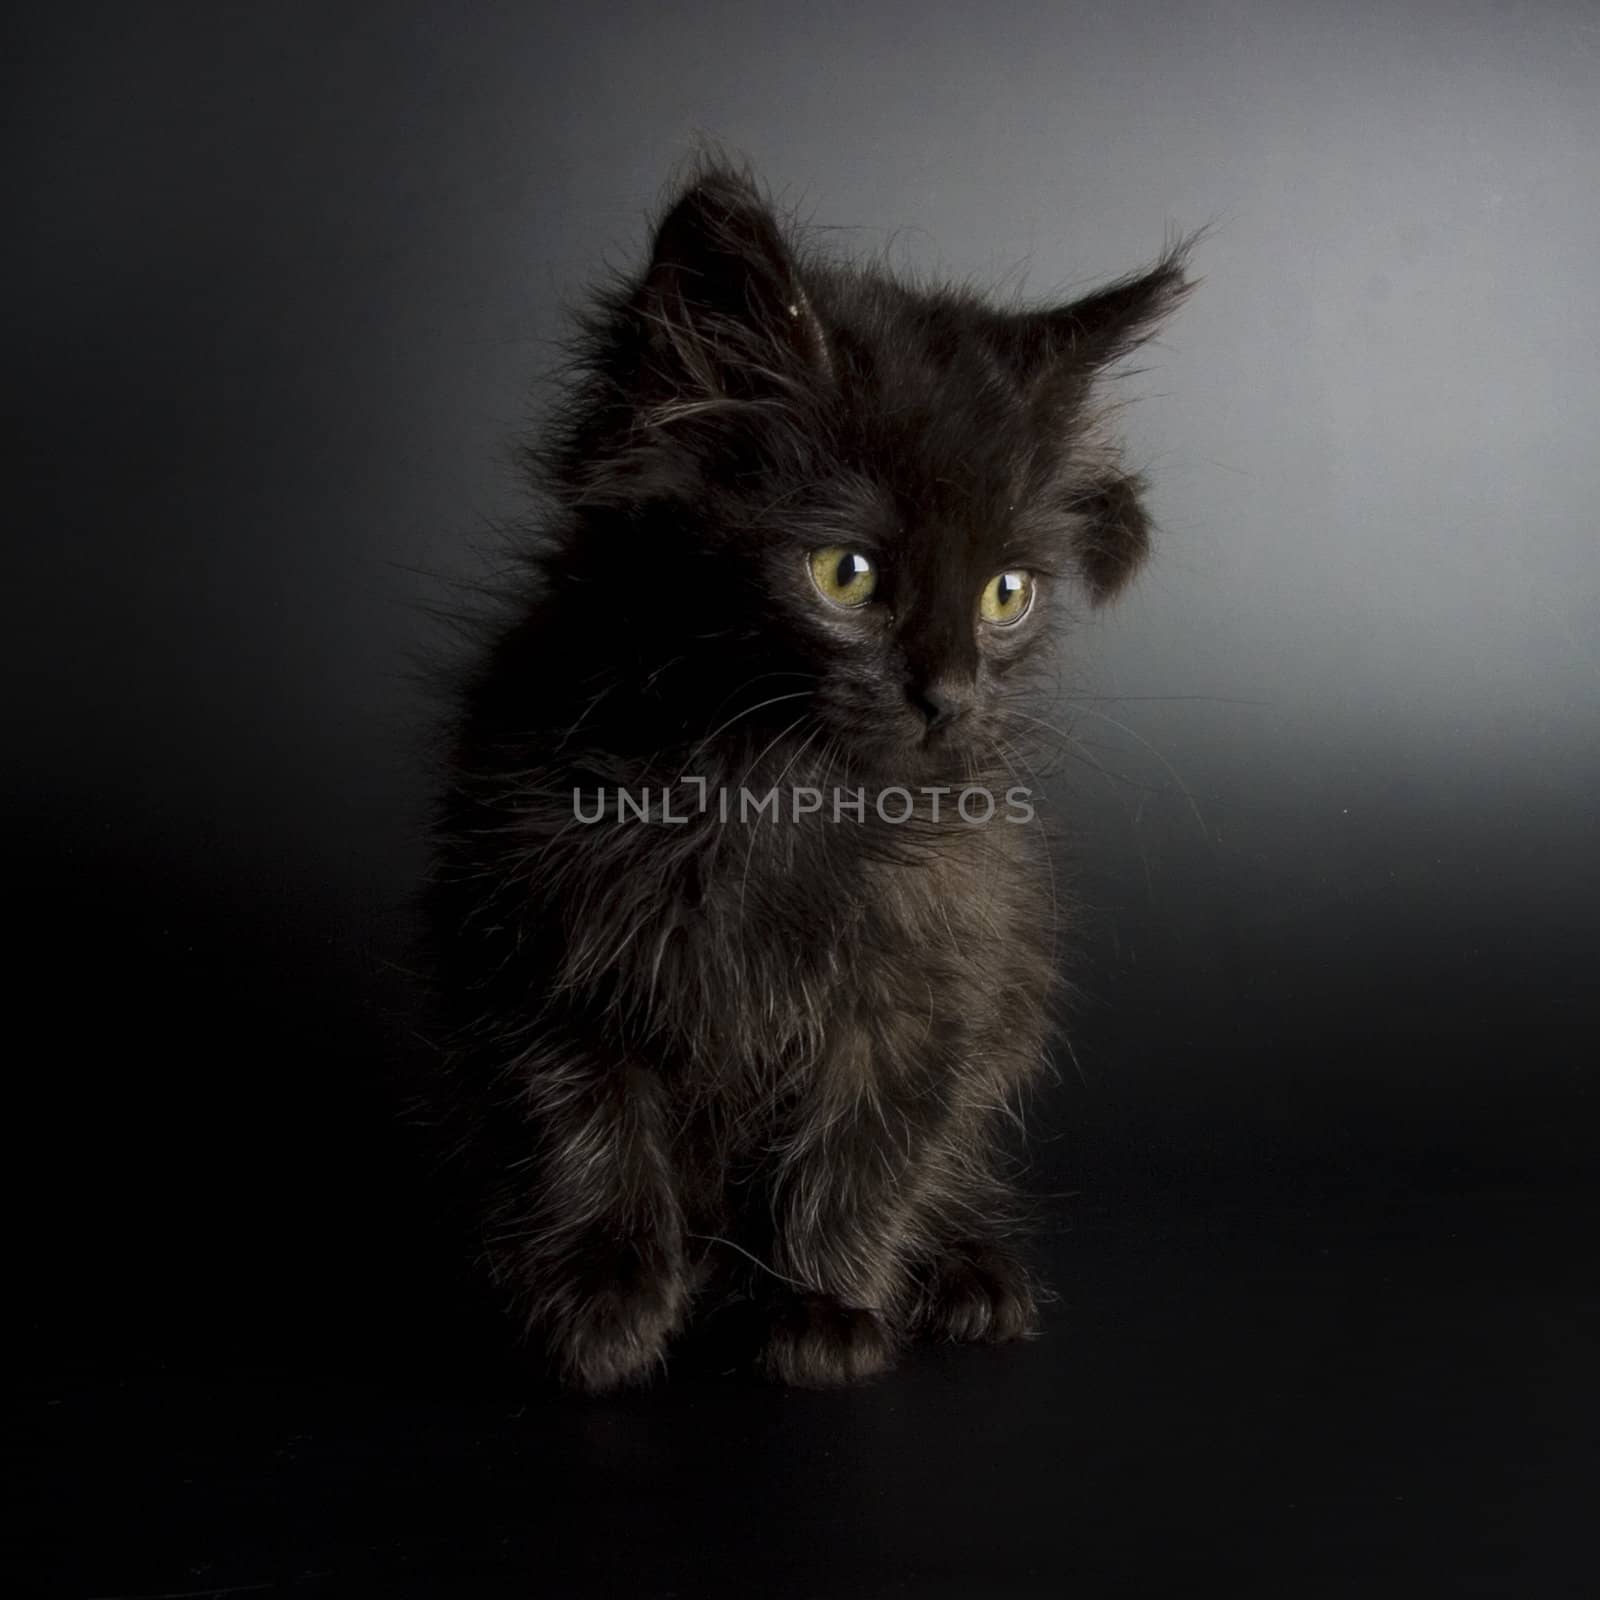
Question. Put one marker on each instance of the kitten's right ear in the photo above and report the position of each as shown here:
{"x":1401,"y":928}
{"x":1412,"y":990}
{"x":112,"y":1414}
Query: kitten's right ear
{"x":1077,"y":340}
{"x":727,"y":313}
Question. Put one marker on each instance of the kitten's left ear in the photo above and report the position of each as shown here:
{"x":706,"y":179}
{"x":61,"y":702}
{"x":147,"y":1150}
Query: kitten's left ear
{"x":727,"y":309}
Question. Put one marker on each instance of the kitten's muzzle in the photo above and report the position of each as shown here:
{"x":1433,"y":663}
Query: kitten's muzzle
{"x":941,"y":702}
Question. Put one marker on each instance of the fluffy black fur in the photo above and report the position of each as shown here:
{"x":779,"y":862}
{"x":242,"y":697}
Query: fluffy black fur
{"x":772,"y":1052}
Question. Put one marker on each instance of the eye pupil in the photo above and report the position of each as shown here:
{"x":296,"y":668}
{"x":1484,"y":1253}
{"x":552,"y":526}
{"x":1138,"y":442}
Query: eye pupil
{"x":845,"y":573}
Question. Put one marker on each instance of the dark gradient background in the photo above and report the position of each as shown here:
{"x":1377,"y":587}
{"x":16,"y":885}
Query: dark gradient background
{"x":1322,"y":1194}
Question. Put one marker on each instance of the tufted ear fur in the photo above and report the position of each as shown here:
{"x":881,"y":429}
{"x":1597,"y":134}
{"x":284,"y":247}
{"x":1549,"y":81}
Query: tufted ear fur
{"x":1075,"y":341}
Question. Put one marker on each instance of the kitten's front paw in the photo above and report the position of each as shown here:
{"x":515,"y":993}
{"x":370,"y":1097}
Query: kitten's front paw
{"x":616,"y":1335}
{"x":818,"y":1342}
{"x":977,"y":1295}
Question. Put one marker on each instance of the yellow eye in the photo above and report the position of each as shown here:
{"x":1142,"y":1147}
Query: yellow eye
{"x":843,"y":577}
{"x":1007,"y":598}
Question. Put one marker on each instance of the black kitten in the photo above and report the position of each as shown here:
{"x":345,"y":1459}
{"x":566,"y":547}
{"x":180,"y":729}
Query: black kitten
{"x":745,"y":939}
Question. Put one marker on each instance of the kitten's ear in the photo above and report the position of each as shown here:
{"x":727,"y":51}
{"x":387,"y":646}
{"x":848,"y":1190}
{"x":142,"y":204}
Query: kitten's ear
{"x":1089,"y":333}
{"x":1111,"y":532}
{"x":728,"y":314}
{"x":1058,"y":353}
{"x":1114,"y":320}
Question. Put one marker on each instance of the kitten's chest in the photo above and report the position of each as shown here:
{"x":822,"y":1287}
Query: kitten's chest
{"x":912,"y":951}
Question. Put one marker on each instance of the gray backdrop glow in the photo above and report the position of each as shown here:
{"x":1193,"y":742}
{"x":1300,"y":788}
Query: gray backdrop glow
{"x":282,"y":281}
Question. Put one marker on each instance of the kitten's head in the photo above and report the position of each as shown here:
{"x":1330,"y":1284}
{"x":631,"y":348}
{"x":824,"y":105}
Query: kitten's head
{"x":813,"y":495}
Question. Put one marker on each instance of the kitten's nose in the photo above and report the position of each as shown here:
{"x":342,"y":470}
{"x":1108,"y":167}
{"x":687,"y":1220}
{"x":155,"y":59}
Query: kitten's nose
{"x":942,"y":701}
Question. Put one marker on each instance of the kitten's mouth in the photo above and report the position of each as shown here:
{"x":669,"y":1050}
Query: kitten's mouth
{"x":929,"y":752}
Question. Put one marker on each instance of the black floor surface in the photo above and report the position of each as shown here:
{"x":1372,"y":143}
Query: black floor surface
{"x":1303,"y":1346}
{"x":1312,"y":1397}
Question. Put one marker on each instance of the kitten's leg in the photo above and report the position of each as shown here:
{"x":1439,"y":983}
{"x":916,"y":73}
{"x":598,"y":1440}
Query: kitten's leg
{"x":970,"y":1285}
{"x":846,"y":1209}
{"x":881,"y":1237}
{"x":890,"y":1218}
{"x":592,"y":1248}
